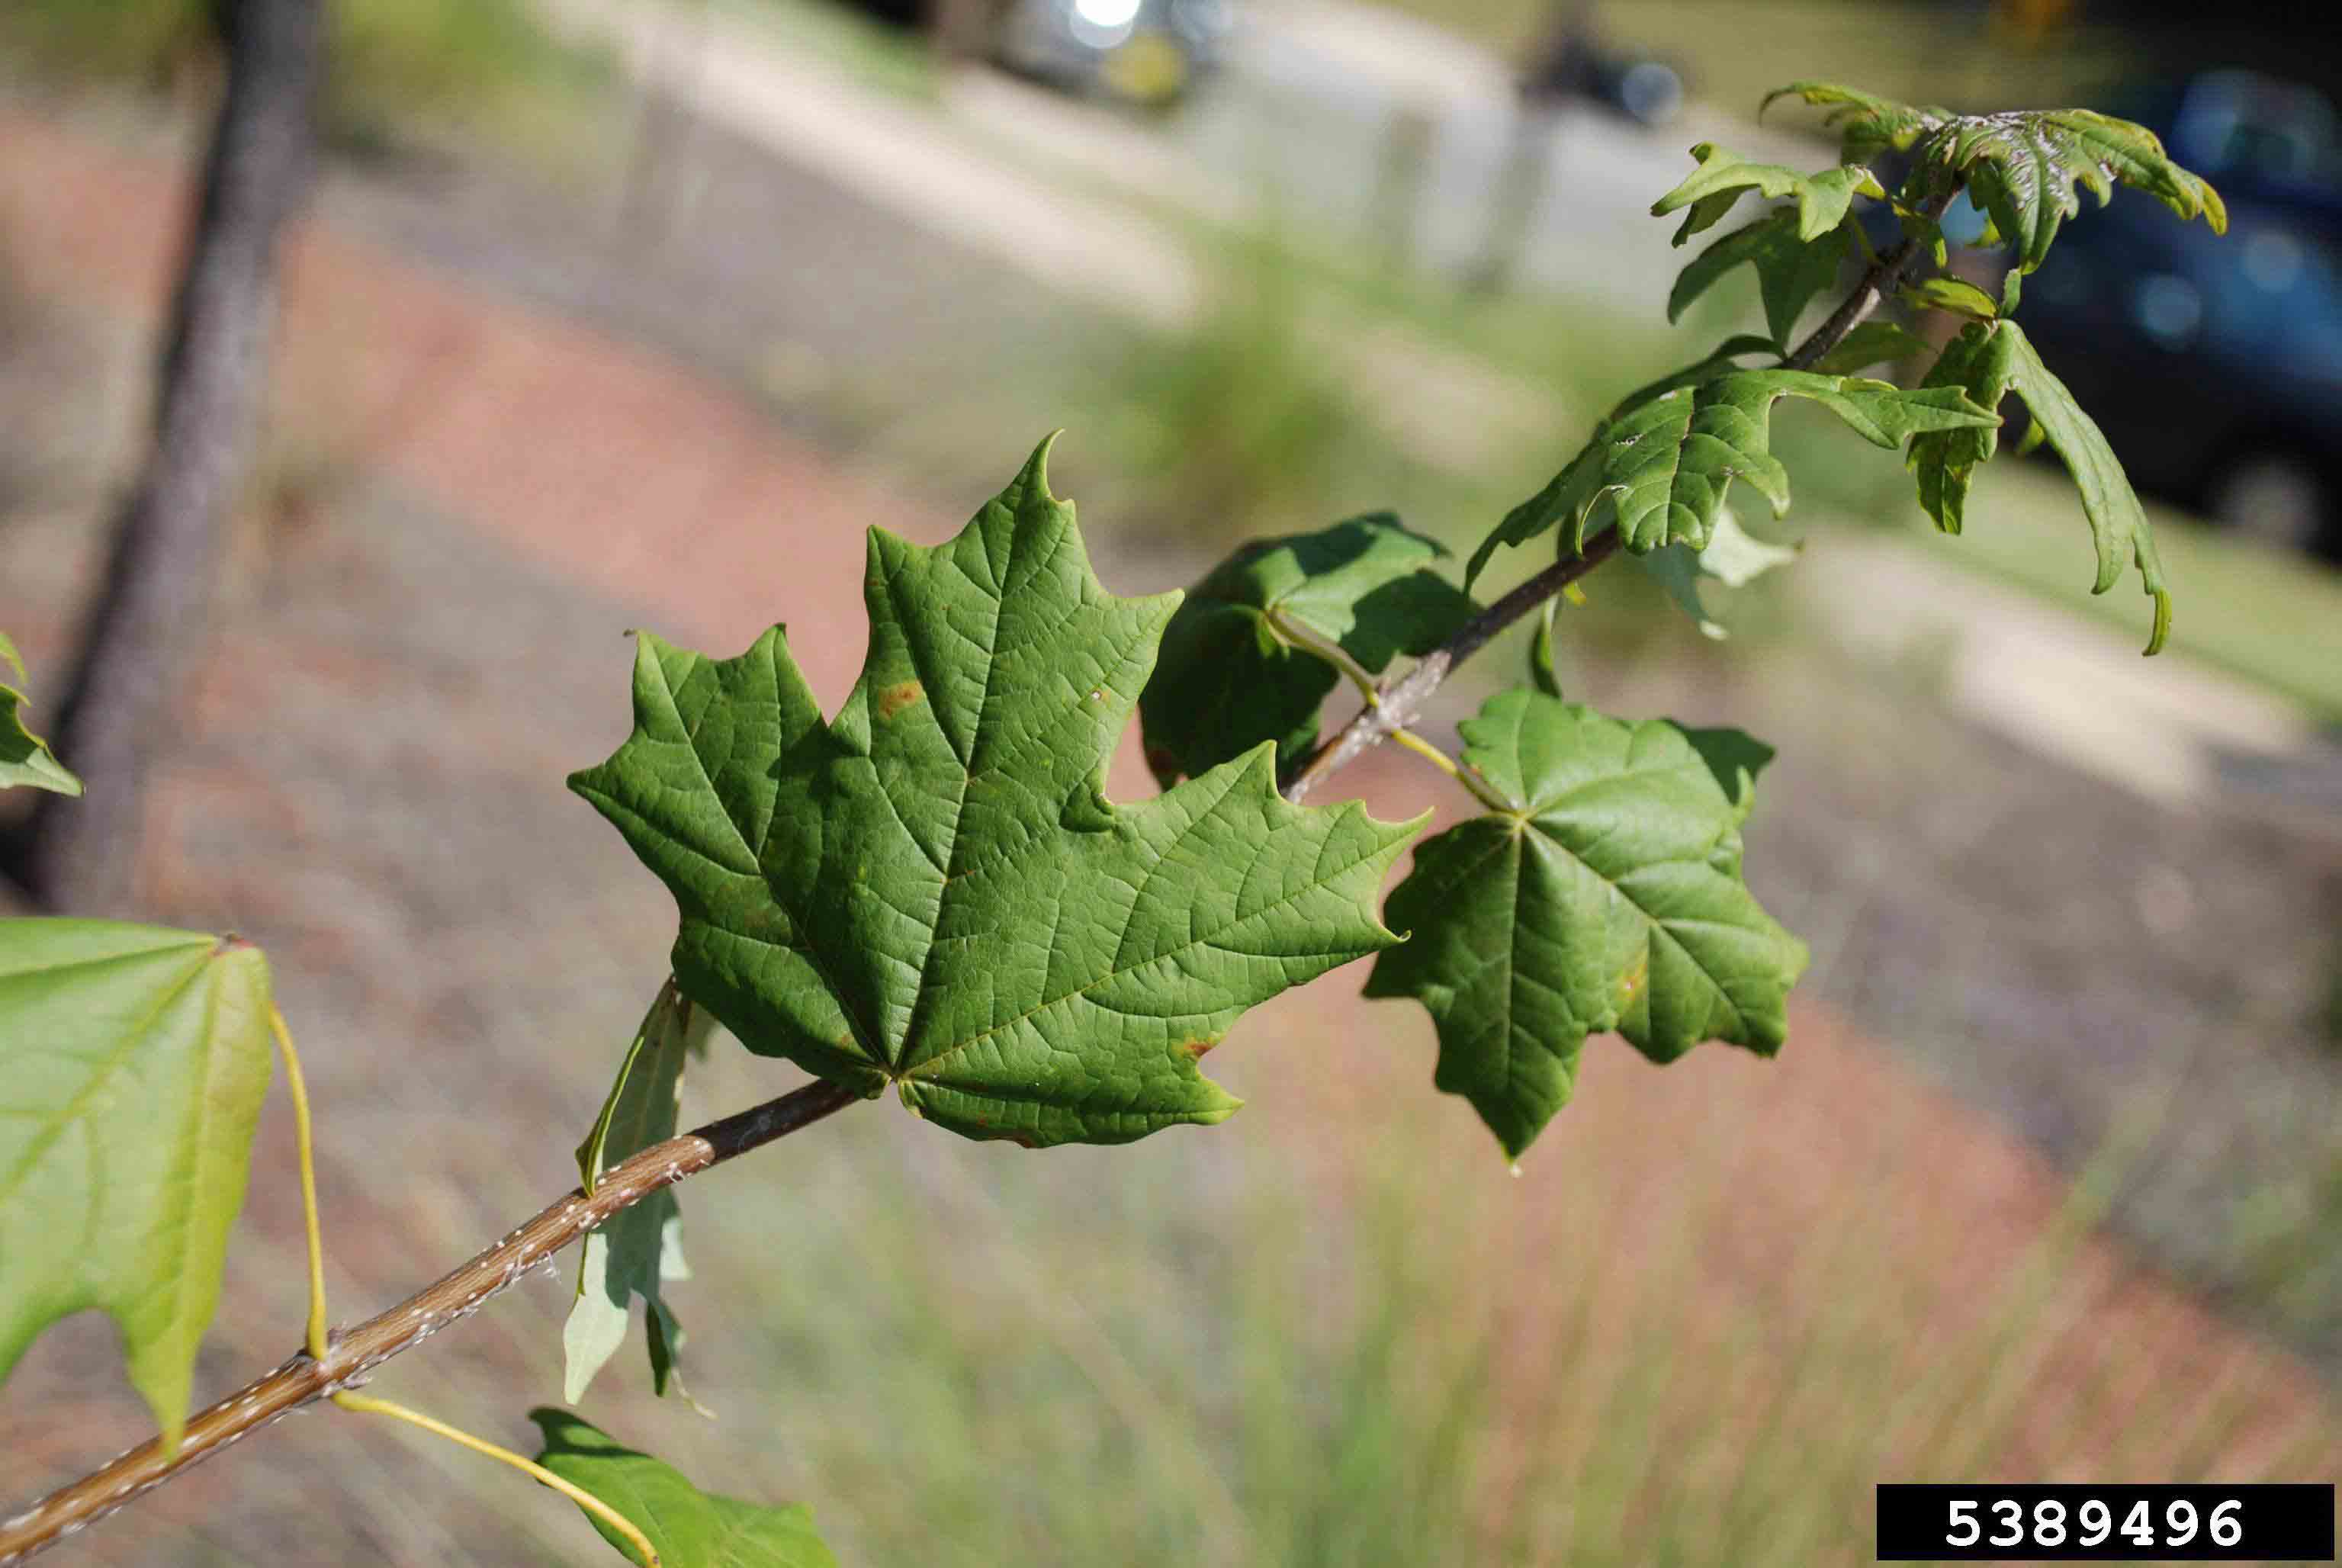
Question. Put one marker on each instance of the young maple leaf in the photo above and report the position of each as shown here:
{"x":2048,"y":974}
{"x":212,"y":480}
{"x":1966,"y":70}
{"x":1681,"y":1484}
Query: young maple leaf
{"x":932,"y":891}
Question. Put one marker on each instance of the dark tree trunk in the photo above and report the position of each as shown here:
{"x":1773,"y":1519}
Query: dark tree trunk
{"x":147,"y":627}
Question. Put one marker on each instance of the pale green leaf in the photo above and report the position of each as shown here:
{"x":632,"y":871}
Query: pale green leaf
{"x":2021,"y":166}
{"x":1610,"y":898}
{"x":1978,"y":362}
{"x":932,"y":890}
{"x":687,"y":1527}
{"x":1990,"y":360}
{"x":1868,"y":124}
{"x":1955,"y":294}
{"x":135,"y":1060}
{"x":24,"y":757}
{"x":1541,"y":670}
{"x":1564,"y":493}
{"x":1663,"y":468}
{"x":640,"y":1249}
{"x":1791,"y":270}
{"x":1872,"y":343}
{"x":1710,"y":190}
{"x":1241,"y":662}
{"x":1734,"y":557}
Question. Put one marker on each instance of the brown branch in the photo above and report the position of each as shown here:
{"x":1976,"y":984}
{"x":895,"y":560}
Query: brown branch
{"x":1399,"y":701}
{"x":1885,"y":276}
{"x":303,"y":1380}
{"x":115,"y":714}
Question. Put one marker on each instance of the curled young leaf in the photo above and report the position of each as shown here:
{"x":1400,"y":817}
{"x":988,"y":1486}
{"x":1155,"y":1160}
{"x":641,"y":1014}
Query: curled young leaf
{"x":1246,"y":658}
{"x":1791,"y":269}
{"x":1989,"y":361}
{"x":1710,"y":191}
{"x":1541,"y":670}
{"x":640,"y":1249}
{"x":1663,"y":468}
{"x":1563,"y":494}
{"x":932,"y":891}
{"x":2022,"y":166}
{"x":1610,"y":897}
{"x":1958,"y":295}
{"x":26,"y":757}
{"x":1868,"y":124}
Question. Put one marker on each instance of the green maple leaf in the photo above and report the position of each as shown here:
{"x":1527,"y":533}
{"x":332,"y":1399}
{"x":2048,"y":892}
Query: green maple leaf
{"x":1734,"y":557}
{"x":639,"y":1250}
{"x":687,"y":1527}
{"x":1710,"y":191}
{"x":1610,"y":898}
{"x":26,"y":757}
{"x":1868,"y":124}
{"x":1243,"y":659}
{"x":1542,"y":674}
{"x":1664,"y":466}
{"x":1989,"y":361}
{"x":1872,"y":343}
{"x":135,"y":1060}
{"x":2022,"y":166}
{"x":1535,"y":515}
{"x":1791,"y":269}
{"x":932,"y":890}
{"x":1957,"y":296}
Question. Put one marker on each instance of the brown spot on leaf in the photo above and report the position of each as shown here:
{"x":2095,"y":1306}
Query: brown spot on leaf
{"x":894,"y":699}
{"x":1195,"y":1048}
{"x":1636,"y":977}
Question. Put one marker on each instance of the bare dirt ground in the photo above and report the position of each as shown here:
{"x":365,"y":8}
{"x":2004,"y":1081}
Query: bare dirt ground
{"x":422,"y":639}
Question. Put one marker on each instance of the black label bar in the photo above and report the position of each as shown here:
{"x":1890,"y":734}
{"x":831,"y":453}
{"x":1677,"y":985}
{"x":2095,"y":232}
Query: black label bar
{"x":2101,"y":1524}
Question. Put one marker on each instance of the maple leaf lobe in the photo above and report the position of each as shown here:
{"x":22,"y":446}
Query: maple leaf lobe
{"x":934,"y":892}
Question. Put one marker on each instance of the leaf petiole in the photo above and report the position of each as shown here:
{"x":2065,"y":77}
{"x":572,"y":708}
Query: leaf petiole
{"x":299,"y":1089}
{"x":1467,"y":777}
{"x":365,"y":1404}
{"x":1332,"y":653}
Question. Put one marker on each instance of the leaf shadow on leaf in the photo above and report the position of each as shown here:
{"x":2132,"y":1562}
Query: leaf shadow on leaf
{"x":1247,"y":657}
{"x":1735,"y":757}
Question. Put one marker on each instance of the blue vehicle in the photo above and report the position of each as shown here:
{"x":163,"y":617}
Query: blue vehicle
{"x":2215,"y":364}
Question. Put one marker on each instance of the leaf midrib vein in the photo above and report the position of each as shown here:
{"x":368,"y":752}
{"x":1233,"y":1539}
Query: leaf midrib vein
{"x":925,"y":1069}
{"x":997,"y":591}
{"x":1658,"y":925}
